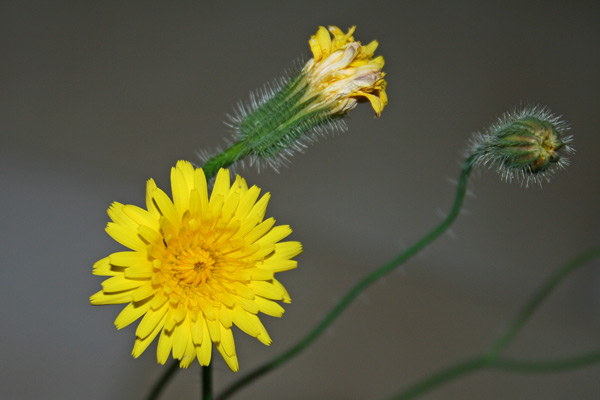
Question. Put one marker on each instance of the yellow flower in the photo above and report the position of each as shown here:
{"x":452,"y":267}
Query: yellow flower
{"x":342,"y":71}
{"x":198,"y":265}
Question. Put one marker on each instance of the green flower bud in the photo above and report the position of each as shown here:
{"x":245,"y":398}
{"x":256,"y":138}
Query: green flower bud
{"x":523,"y":145}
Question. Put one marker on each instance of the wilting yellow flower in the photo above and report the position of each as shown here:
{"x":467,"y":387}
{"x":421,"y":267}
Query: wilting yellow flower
{"x":342,"y":71}
{"x":198,"y":265}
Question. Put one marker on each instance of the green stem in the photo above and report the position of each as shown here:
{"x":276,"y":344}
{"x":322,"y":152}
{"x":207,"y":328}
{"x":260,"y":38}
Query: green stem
{"x":530,"y":366}
{"x":358,"y":288}
{"x":441,"y":377}
{"x":164,"y":379}
{"x":207,"y":382}
{"x":235,"y":153}
{"x":481,"y":362}
{"x":491,"y":359}
{"x":538,"y":298}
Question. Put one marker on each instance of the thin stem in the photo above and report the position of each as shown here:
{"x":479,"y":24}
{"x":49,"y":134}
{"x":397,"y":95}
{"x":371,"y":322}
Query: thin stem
{"x":207,"y":382}
{"x":481,"y":362}
{"x":224,"y":159}
{"x":441,"y":377}
{"x":164,"y":379}
{"x":491,"y":358}
{"x":538,"y":298}
{"x":536,"y":366}
{"x":359,"y":287}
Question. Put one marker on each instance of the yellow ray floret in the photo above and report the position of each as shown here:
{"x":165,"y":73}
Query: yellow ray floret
{"x":198,"y":265}
{"x":342,"y":71}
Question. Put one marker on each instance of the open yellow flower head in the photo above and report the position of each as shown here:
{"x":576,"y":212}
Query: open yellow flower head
{"x":342,"y":71}
{"x":198,"y":264}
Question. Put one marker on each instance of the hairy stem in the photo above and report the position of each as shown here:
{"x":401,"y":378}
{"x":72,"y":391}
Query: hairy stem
{"x":359,"y":287}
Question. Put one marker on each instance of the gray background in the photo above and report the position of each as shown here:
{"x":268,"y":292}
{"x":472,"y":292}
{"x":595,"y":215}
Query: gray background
{"x":99,"y":96}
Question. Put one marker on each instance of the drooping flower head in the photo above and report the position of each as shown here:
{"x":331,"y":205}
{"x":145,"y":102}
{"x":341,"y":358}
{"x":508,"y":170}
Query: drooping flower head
{"x":197,"y":265}
{"x":283,"y":118}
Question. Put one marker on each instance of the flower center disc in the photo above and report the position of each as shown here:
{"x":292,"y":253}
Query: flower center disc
{"x":191,"y":266}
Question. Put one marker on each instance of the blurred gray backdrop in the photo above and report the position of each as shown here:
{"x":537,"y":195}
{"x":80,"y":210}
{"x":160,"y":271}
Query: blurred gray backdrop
{"x":96,"y":97}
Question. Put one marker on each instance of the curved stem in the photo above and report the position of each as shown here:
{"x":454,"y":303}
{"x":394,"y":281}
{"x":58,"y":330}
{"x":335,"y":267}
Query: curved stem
{"x":491,"y":359}
{"x":537,"y":366}
{"x":443,"y":376}
{"x":359,"y":287}
{"x":164,"y":379}
{"x":538,"y":298}
{"x":506,"y":364}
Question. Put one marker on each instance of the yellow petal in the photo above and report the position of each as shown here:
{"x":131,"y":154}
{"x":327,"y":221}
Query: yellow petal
{"x":229,"y":206}
{"x":277,"y":264}
{"x":150,"y":236}
{"x":260,"y":230}
{"x":260,"y":208}
{"x":151,"y":321}
{"x":225,"y":317}
{"x":180,"y":190}
{"x":275,"y":235}
{"x":221,"y":187}
{"x":214,"y":328}
{"x":163,"y":349}
{"x":181,"y":337}
{"x":247,"y":201}
{"x":126,"y":236}
{"x":259,"y":274}
{"x":368,"y":50}
{"x":166,"y":207}
{"x":197,"y":330}
{"x":142,"y":344}
{"x":227,"y":341}
{"x":286,"y":296}
{"x":101,"y":298}
{"x":115,"y":212}
{"x":127,"y":258}
{"x":130,"y":314}
{"x":200,"y":186}
{"x":203,"y":352}
{"x":141,"y":216}
{"x":120,"y":283}
{"x":187,"y":169}
{"x":267,"y":289}
{"x":288,"y":250}
{"x":103,"y":267}
{"x":189,"y":355}
{"x":144,"y":270}
{"x":150,"y":206}
{"x":320,"y":44}
{"x":232,"y":361}
{"x":269,"y":307}
{"x":143,"y":292}
{"x":247,"y":322}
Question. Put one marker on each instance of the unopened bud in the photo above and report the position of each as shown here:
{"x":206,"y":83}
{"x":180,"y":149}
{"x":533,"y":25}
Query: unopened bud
{"x":523,"y":145}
